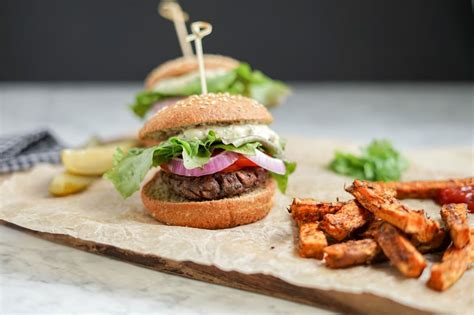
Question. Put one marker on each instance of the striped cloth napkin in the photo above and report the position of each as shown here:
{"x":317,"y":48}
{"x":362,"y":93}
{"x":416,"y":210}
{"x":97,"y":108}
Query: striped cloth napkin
{"x":21,"y":152}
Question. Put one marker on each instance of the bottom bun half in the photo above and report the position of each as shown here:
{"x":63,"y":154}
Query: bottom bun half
{"x":213,"y":214}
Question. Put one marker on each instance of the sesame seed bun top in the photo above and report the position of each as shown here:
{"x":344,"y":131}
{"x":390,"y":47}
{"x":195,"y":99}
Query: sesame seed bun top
{"x":183,"y":65}
{"x":207,"y":109}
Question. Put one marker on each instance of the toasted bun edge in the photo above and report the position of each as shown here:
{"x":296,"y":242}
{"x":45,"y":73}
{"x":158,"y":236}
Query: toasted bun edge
{"x":207,"y":109}
{"x":212,"y":214}
{"x":183,"y":65}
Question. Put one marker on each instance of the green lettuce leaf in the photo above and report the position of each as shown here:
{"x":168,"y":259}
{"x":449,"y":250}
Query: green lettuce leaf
{"x":379,"y":161}
{"x":282,"y":180}
{"x":269,"y":93}
{"x":260,"y":87}
{"x":241,"y":80}
{"x":130,"y":169}
{"x":144,"y":101}
{"x":247,"y":149}
{"x":215,"y":84}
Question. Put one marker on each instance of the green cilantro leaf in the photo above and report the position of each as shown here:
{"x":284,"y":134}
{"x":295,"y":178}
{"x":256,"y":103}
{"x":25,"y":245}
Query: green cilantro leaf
{"x":379,"y":161}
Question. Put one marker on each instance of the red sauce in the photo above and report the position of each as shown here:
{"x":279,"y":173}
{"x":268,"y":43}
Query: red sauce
{"x":457,"y":195}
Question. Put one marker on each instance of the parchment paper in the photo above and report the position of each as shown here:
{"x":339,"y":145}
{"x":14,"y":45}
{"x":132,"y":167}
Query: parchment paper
{"x":101,"y":215}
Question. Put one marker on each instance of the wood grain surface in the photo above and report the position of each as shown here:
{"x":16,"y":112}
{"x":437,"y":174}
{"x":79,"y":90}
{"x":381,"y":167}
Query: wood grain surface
{"x":259,"y":283}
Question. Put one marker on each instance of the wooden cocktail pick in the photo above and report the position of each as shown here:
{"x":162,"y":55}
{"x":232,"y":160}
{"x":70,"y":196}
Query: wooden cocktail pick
{"x":172,"y":11}
{"x":199,"y":30}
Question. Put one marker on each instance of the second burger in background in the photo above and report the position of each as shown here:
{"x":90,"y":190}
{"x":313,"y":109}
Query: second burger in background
{"x":179,"y":78}
{"x":219,"y":163}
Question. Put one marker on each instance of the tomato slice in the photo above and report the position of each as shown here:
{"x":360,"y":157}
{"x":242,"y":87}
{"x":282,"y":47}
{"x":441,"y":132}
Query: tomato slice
{"x":241,"y":163}
{"x":165,"y":168}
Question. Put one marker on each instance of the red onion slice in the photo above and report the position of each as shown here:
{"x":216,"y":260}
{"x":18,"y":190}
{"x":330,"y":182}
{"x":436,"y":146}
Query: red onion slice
{"x":267,"y":162}
{"x":216,"y":164}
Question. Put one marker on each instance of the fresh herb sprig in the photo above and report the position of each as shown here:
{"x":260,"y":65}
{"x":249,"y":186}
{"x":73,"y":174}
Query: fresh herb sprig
{"x":379,"y":161}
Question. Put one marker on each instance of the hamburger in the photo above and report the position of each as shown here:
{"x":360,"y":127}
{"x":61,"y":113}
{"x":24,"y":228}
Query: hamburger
{"x":219,"y":163}
{"x":179,"y":78}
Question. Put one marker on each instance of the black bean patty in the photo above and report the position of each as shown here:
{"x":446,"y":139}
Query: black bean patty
{"x":216,"y":186}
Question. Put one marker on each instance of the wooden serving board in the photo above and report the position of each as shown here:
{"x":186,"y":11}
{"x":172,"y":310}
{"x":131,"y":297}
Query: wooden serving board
{"x":259,"y":283}
{"x":260,"y":255}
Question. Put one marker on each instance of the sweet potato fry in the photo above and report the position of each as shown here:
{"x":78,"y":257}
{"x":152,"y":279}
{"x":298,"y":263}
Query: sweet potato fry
{"x":312,"y":241}
{"x":351,"y":253}
{"x":389,"y":209}
{"x":429,"y":230}
{"x":372,"y":228}
{"x":400,"y":251}
{"x":425,"y":189}
{"x":350,"y":217}
{"x":309,"y":210}
{"x":439,"y":242}
{"x":454,"y":263}
{"x":455,"y":217}
{"x":470,"y":248}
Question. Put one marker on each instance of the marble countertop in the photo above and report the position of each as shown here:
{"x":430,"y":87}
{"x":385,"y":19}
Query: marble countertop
{"x":37,"y":276}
